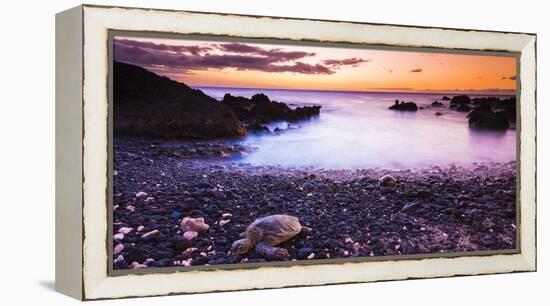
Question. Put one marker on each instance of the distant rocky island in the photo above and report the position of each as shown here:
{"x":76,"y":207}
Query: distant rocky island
{"x":259,"y":110}
{"x":485,"y":113}
{"x":151,"y":105}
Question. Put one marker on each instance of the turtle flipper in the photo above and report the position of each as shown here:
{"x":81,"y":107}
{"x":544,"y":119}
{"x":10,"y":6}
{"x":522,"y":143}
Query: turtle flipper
{"x":269,"y":252}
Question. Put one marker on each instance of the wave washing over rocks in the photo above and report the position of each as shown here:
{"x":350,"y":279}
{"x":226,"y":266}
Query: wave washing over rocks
{"x":349,"y":212}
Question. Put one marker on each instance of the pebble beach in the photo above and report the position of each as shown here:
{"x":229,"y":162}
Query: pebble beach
{"x":348,"y":212}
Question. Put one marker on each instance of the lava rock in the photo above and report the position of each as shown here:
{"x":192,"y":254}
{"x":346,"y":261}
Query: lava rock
{"x":409,"y":207}
{"x":179,"y":243}
{"x":484,"y":118}
{"x":147,"y":104}
{"x":303,"y":253}
{"x":404,"y":106}
{"x":461,"y":99}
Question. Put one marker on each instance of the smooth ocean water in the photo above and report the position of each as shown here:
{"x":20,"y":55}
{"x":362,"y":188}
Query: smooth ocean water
{"x":357,"y":130}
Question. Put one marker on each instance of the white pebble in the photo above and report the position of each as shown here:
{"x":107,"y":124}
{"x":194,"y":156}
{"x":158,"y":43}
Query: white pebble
{"x":140,"y":228}
{"x":141,"y":194}
{"x":193,"y":224}
{"x":125,"y":230}
{"x":119,"y":258}
{"x":311,"y":256}
{"x":148,"y":260}
{"x":184,"y":263}
{"x":348,"y":240}
{"x":227,"y":215}
{"x":224,"y":222}
{"x":346,"y":253}
{"x":190,"y":235}
{"x":149,"y":234}
{"x":188,"y":251}
{"x":130,"y":208}
{"x":118,"y":236}
{"x":118,"y":248}
{"x":136,"y":266}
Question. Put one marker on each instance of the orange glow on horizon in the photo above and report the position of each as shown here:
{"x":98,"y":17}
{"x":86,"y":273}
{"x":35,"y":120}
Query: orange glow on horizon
{"x":380,"y":70}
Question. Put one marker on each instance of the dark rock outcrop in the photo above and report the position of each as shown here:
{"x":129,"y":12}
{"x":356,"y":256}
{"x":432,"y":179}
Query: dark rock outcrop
{"x":437,"y":104}
{"x":485,"y":100}
{"x":506,"y":106}
{"x":484,"y":118}
{"x":147,"y":104}
{"x":458,"y":100}
{"x":404,"y":106}
{"x":445,"y":98}
{"x":259,"y":110}
{"x":463,"y":108}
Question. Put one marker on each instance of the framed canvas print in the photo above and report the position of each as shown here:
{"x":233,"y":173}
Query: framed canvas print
{"x":200,"y":152}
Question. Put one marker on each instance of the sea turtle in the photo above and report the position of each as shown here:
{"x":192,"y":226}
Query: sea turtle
{"x":267,"y":232}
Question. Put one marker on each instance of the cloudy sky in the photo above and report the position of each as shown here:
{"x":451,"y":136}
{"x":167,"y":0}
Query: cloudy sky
{"x":232,"y":64}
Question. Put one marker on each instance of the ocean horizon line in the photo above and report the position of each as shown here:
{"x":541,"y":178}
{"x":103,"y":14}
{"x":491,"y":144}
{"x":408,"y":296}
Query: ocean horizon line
{"x":362,"y":91}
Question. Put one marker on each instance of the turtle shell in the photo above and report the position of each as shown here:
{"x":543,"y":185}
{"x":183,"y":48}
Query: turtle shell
{"x":277,"y":228}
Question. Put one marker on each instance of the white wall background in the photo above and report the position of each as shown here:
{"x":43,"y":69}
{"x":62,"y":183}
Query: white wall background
{"x":27,"y":153}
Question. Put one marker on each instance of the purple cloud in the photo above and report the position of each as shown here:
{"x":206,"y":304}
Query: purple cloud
{"x":274,"y":53}
{"x":513,"y":78}
{"x":416,"y":70}
{"x":177,"y":59}
{"x":240,"y":48}
{"x":195,"y":50}
{"x":345,"y":62}
{"x":299,"y":67}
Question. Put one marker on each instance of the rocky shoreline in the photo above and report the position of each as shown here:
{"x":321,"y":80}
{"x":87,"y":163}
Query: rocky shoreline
{"x":157,"y":183}
{"x":149,"y":105}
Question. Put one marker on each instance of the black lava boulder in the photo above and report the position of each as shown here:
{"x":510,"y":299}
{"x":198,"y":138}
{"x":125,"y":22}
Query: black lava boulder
{"x":461,"y":99}
{"x":146,"y":104}
{"x":259,"y":109}
{"x":484,"y":118}
{"x":404,"y":106}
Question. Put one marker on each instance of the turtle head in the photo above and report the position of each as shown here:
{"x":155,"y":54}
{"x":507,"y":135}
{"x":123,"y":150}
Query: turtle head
{"x":242,"y":246}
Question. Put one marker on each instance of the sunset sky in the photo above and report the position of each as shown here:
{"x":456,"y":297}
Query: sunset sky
{"x":246,"y":65}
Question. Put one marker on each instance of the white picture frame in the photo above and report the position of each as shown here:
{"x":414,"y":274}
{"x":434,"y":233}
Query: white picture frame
{"x":82,"y":177}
